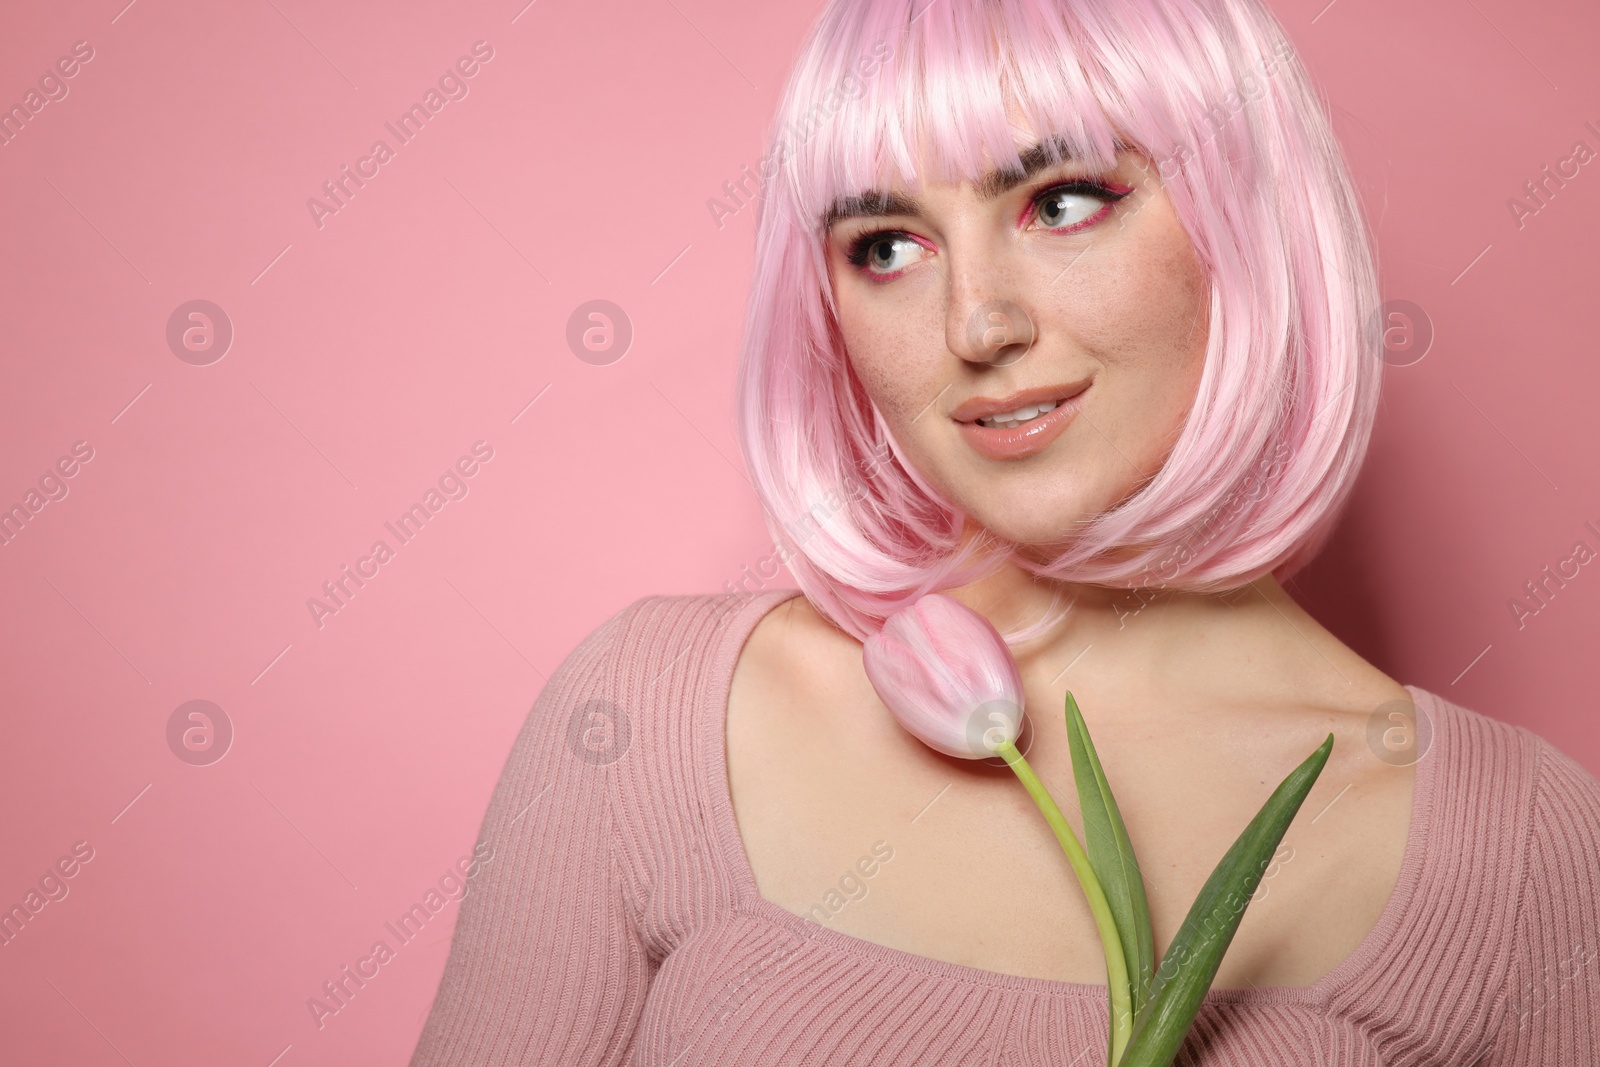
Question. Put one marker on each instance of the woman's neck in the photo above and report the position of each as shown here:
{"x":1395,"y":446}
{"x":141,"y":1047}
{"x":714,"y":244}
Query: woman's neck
{"x":1251,"y":639}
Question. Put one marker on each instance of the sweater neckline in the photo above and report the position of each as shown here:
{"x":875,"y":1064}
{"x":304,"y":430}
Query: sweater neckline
{"x":748,"y":899}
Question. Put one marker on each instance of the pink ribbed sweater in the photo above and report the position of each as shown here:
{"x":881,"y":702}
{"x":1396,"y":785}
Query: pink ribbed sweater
{"x":620,"y":923}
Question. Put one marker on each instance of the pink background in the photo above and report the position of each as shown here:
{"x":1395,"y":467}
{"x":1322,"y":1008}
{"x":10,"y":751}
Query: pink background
{"x":372,"y":352}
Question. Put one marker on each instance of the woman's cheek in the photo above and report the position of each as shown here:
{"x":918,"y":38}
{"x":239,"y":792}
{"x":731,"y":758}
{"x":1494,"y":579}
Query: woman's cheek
{"x":892,"y":376}
{"x":1175,"y":343}
{"x":1147,"y":303}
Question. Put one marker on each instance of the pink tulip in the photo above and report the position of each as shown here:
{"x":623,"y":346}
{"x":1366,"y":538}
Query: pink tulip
{"x":947,"y":676}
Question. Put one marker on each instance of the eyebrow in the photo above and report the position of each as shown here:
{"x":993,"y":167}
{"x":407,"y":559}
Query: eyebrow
{"x":875,"y":203}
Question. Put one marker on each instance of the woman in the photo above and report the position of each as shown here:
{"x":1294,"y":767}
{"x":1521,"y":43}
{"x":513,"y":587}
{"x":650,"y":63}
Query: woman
{"x":1061,"y":307}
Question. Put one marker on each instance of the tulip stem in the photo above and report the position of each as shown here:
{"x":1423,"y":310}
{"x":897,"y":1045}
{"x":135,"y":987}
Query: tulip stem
{"x":1116,"y":965}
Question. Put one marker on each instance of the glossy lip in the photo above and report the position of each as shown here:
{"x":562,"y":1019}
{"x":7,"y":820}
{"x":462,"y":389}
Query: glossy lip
{"x":980,"y":406}
{"x":1031,"y":437}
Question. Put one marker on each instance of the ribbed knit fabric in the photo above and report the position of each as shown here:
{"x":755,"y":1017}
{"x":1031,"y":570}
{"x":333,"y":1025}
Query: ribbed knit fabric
{"x":619,"y":922}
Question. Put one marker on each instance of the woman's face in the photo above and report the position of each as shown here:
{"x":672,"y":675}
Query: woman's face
{"x":974,"y":300}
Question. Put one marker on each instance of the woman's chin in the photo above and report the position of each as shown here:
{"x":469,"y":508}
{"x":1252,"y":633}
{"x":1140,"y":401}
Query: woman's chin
{"x":1026,"y":527}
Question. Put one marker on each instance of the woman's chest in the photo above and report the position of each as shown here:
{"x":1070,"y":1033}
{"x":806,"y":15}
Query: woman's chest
{"x":753,"y":989}
{"x":872,"y":835}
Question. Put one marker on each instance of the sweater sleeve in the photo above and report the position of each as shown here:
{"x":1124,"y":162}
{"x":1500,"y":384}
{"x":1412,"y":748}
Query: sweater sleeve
{"x":1552,"y":993}
{"x":546,"y":965}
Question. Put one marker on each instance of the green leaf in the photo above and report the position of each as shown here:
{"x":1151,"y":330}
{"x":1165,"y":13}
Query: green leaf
{"x":1111,"y":855}
{"x":1191,"y":961}
{"x":1117,"y":981}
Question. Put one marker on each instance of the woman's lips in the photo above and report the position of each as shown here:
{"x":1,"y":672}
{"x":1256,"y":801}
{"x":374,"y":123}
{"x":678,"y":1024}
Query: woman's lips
{"x":1025,"y":440}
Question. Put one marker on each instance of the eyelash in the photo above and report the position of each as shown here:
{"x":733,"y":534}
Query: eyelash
{"x":856,"y":253}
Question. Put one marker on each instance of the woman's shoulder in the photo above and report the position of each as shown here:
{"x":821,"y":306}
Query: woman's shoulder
{"x":642,"y":686}
{"x":1523,"y":812}
{"x":1562,"y":807}
{"x":637,"y":705}
{"x":661,"y":633}
{"x":1504,"y":778}
{"x":1483,"y":751}
{"x":1547,"y":837}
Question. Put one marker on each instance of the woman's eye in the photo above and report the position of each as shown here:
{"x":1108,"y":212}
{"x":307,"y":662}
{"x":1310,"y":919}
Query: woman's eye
{"x":883,"y":252}
{"x":1065,"y":207}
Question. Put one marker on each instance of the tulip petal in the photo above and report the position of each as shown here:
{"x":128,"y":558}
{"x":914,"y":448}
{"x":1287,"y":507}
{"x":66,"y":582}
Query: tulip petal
{"x":947,"y":675}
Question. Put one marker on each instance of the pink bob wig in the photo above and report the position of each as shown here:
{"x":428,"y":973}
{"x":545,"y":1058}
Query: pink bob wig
{"x":1213,"y":94}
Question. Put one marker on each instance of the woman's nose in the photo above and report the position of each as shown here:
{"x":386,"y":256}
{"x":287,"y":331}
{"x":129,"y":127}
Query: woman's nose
{"x":982,"y":323}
